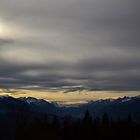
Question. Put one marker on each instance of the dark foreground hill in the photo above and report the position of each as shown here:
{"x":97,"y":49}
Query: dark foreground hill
{"x":33,"y":119}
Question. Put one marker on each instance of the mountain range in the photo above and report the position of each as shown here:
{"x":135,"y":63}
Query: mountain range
{"x":115,"y":108}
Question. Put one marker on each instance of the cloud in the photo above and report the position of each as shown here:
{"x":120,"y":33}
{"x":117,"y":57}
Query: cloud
{"x":78,"y":44}
{"x":6,"y":41}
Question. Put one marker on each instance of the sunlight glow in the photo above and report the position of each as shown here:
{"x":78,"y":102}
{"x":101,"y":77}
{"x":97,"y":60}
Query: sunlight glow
{"x":1,"y":29}
{"x":69,"y":98}
{"x":6,"y":30}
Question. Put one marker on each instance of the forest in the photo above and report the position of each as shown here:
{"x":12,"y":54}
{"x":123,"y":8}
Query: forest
{"x":68,"y":128}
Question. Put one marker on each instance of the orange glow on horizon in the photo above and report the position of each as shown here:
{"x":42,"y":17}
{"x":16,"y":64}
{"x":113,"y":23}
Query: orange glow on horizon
{"x":71,"y":97}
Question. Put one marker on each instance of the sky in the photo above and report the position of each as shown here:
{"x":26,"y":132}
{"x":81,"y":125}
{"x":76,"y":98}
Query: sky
{"x":70,"y":46}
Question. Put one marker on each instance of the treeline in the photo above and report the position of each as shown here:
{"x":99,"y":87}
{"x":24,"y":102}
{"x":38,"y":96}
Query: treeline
{"x":68,"y":128}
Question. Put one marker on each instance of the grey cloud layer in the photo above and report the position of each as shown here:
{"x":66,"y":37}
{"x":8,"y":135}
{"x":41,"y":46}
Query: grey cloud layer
{"x":71,"y":45}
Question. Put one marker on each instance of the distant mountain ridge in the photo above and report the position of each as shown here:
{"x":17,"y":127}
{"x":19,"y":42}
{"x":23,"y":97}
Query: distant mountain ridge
{"x":115,"y":108}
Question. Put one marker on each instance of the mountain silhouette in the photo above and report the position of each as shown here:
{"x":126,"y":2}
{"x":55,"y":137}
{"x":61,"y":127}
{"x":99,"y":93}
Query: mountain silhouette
{"x":115,"y":108}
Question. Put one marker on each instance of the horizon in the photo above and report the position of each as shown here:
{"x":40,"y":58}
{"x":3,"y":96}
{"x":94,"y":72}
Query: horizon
{"x":70,"y":98}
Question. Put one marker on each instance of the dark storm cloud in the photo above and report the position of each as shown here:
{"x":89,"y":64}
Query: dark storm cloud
{"x":70,"y":45}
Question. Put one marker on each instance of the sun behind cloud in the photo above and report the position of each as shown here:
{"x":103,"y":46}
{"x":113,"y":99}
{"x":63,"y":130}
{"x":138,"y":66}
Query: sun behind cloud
{"x":1,"y":29}
{"x":7,"y":30}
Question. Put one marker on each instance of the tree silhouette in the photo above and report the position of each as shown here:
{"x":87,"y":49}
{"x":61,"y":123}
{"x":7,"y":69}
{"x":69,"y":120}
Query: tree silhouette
{"x":30,"y":126}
